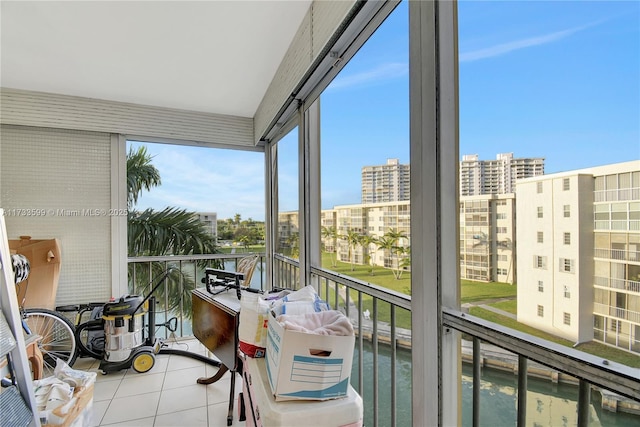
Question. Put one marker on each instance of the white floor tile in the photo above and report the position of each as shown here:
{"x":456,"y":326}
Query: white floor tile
{"x":180,"y":399}
{"x":183,"y":377}
{"x":219,"y":392}
{"x":141,"y":384}
{"x":111,"y":376}
{"x":218,"y":415}
{"x":141,"y":422}
{"x":181,"y":362}
{"x":97,"y":412}
{"x":196,"y":417}
{"x":127,"y":409}
{"x":105,"y":390}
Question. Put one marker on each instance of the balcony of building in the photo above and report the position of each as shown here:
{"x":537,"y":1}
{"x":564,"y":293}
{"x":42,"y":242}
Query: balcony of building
{"x":254,"y":86}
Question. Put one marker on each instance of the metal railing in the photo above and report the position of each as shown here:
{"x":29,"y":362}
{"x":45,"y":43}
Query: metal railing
{"x":378,"y":314}
{"x":174,"y":296}
{"x":587,"y":369}
{"x":374,"y":325}
{"x":616,"y":195}
{"x":620,"y":313}
{"x":608,"y":282}
{"x":617,"y":254}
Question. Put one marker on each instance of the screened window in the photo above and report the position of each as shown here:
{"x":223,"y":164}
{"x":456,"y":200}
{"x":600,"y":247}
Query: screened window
{"x":539,"y":211}
{"x":540,"y":237}
{"x":540,"y":286}
{"x":567,"y":211}
{"x":539,"y":187}
{"x":540,"y":311}
{"x":566,"y":265}
{"x":567,"y":292}
{"x":566,"y":185}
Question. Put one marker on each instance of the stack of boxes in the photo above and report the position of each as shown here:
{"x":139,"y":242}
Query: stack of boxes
{"x":303,"y":376}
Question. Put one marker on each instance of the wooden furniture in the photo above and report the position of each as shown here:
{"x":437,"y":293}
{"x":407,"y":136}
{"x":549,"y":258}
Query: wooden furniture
{"x":215,"y":325}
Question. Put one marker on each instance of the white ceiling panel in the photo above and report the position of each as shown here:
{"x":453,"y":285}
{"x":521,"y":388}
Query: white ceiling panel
{"x":209,"y":56}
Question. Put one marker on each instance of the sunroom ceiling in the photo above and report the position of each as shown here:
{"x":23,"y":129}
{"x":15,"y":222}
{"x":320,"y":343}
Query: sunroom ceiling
{"x":207,"y":56}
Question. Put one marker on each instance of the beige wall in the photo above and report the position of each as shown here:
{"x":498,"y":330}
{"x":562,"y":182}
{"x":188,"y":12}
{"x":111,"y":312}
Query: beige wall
{"x":60,"y":175}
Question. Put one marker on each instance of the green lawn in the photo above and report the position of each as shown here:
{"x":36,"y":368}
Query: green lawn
{"x":510,"y":306}
{"x":481,"y":291}
{"x":594,"y":348}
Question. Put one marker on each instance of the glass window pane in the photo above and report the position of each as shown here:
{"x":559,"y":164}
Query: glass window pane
{"x":288,"y":219}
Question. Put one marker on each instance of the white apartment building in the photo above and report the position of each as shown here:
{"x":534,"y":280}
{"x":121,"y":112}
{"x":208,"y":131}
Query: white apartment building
{"x":496,"y":176}
{"x":373,"y":219}
{"x":210,"y":220}
{"x":578,"y":243}
{"x":385,"y":183}
{"x":487,"y":238}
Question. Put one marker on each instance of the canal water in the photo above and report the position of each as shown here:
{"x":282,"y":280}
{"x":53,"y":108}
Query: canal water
{"x":548,"y":404}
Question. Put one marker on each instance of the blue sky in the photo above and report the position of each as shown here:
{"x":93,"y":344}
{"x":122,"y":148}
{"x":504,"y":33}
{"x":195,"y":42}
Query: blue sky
{"x":557,"y":80}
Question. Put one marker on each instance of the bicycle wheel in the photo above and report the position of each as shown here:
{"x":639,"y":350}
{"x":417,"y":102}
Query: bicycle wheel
{"x":58,"y":338}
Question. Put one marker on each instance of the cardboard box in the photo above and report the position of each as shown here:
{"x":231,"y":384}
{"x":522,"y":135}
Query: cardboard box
{"x":307,"y":366}
{"x":263,"y":411}
{"x":81,"y":409}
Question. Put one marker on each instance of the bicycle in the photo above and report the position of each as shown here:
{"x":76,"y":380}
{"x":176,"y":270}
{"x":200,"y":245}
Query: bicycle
{"x":56,"y":332}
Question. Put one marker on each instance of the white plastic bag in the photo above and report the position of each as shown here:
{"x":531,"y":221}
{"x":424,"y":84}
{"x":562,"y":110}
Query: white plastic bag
{"x":252,"y":331}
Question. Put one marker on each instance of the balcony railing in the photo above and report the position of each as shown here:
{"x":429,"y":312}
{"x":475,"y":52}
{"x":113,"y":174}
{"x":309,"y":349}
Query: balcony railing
{"x":375,"y":312}
{"x":174,"y":296}
{"x":608,"y":282}
{"x":616,"y":195}
{"x":617,"y":254}
{"x":620,"y":313}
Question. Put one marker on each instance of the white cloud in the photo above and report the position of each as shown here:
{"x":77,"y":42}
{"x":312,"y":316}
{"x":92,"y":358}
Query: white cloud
{"x":504,"y":48}
{"x":386,"y":71}
{"x":206,"y":180}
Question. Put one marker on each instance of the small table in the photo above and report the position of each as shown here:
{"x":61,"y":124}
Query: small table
{"x":215,"y":325}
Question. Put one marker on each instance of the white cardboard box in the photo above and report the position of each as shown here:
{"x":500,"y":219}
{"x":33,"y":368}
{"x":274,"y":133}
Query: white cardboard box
{"x":307,"y":366}
{"x":263,"y":411}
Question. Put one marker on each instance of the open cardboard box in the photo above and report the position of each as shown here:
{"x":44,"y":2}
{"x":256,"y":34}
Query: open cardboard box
{"x":307,"y":366}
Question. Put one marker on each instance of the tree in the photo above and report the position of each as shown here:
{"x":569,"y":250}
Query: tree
{"x":389,"y":242}
{"x":353,"y":240}
{"x":331,"y":233}
{"x":141,"y":174}
{"x":366,"y":241}
{"x":170,"y":231}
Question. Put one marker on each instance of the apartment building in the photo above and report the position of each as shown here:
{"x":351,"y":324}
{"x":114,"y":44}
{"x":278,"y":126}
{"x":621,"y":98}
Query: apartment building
{"x":385,"y":183}
{"x":496,"y":176}
{"x":210,"y":220}
{"x":578,"y":243}
{"x":375,"y":220}
{"x":487,"y":236}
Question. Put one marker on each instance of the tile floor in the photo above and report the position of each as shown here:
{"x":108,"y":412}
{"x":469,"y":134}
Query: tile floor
{"x":167,"y":395}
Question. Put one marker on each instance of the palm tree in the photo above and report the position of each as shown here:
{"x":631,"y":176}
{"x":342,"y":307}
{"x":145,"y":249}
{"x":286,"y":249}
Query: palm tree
{"x":353,"y":240}
{"x":366,"y":241}
{"x":170,"y":231}
{"x":389,"y":242}
{"x":141,"y":174}
{"x":331,"y":233}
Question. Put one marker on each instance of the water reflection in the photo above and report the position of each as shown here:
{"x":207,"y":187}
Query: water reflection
{"x":548,"y":404}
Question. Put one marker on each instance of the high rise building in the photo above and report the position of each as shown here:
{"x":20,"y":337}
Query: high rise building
{"x":496,"y":176}
{"x":578,"y":243}
{"x":487,"y":236}
{"x":386,"y":183}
